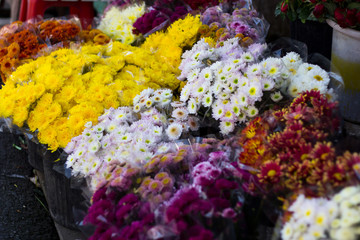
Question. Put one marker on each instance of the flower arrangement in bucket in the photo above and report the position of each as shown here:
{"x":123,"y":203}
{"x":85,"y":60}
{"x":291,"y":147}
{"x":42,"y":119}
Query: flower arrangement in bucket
{"x":346,"y":13}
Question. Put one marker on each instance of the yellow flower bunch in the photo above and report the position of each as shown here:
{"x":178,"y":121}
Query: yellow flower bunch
{"x":168,"y":46}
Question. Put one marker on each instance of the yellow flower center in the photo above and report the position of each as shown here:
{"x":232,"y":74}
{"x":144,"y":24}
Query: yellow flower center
{"x":271,"y":173}
{"x":318,"y":78}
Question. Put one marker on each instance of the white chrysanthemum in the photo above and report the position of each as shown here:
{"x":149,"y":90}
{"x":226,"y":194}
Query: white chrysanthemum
{"x":79,"y":152}
{"x":292,"y":60}
{"x":229,"y":116}
{"x":344,"y":234}
{"x":193,"y":123}
{"x":287,"y":231}
{"x":149,"y":139}
{"x":297,"y":204}
{"x":71,"y":159}
{"x":180,"y":113}
{"x":111,"y":127}
{"x":241,"y":117}
{"x":305,"y":68}
{"x":243,"y":99}
{"x":200,"y":89}
{"x":174,"y":131}
{"x":294,"y":89}
{"x":149,"y":103}
{"x":319,"y":75}
{"x":216,"y":88}
{"x":223,"y":95}
{"x":268,"y":84}
{"x":146,"y":93}
{"x":176,"y":104}
{"x":157,"y":130}
{"x":235,"y":80}
{"x":157,"y":98}
{"x":207,"y":100}
{"x":163,"y":148}
{"x":346,"y":193}
{"x":307,"y":212}
{"x":94,"y":146}
{"x":99,"y":128}
{"x":226,"y":127}
{"x":316,"y":231}
{"x":252,"y":111}
{"x":165,"y":102}
{"x":254,"y":69}
{"x":192,"y":106}
{"x":276,"y":96}
{"x":167,"y":93}
{"x":235,"y":109}
{"x":229,"y":68}
{"x":319,"y":86}
{"x":321,"y":218}
{"x":125,"y":137}
{"x":254,"y":90}
{"x":218,"y":112}
{"x":137,"y":108}
{"x":206,"y":73}
{"x":88,"y":124}
{"x":185,"y":92}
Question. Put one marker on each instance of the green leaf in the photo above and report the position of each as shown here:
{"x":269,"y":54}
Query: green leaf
{"x":353,"y":5}
{"x":330,"y":7}
{"x":278,"y":10}
{"x":304,"y":14}
{"x":292,"y":16}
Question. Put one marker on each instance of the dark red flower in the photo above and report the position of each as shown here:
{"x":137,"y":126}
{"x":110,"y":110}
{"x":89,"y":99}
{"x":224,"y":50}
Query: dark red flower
{"x":339,"y":16}
{"x":284,"y":7}
{"x":319,"y":10}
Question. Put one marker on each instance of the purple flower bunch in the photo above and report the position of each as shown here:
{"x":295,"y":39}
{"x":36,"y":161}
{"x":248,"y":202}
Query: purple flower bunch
{"x":117,"y":218}
{"x":242,"y":23}
{"x":194,"y":188}
{"x":210,"y":202}
{"x":159,"y":16}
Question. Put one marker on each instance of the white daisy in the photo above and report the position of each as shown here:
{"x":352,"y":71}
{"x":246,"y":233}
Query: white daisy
{"x":180,"y":113}
{"x":247,"y":57}
{"x":276,"y":96}
{"x":226,"y":127}
{"x":192,"y":106}
{"x":218,"y":112}
{"x":193,"y":123}
{"x":174,"y":131}
{"x":185,"y":92}
{"x":252,"y":111}
{"x":207,"y":100}
{"x":268,"y":84}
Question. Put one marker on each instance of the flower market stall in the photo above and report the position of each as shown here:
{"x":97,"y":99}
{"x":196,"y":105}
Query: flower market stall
{"x":177,"y":120}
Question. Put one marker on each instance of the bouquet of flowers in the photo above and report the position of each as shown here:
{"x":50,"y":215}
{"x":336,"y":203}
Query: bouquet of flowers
{"x":336,"y":217}
{"x":194,"y":188}
{"x":346,"y":13}
{"x":117,"y":22}
{"x":241,"y":22}
{"x":291,"y":148}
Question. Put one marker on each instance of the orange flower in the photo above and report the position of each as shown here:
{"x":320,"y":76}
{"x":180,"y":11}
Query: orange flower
{"x":101,"y":39}
{"x":7,"y":65}
{"x":3,"y":52}
{"x":14,"y":50}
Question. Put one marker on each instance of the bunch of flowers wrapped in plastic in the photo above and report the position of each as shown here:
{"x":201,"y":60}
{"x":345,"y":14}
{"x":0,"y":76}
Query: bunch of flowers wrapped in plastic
{"x":197,"y":191}
{"x":118,"y":22}
{"x":159,"y":15}
{"x":242,"y":23}
{"x":169,"y":45}
{"x":123,"y":139}
{"x":164,"y":12}
{"x":322,"y":218}
{"x":230,"y":82}
{"x":18,"y":41}
{"x":291,"y":149}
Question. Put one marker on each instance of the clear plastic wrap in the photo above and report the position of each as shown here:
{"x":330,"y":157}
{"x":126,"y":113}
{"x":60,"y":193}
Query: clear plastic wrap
{"x":226,"y":21}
